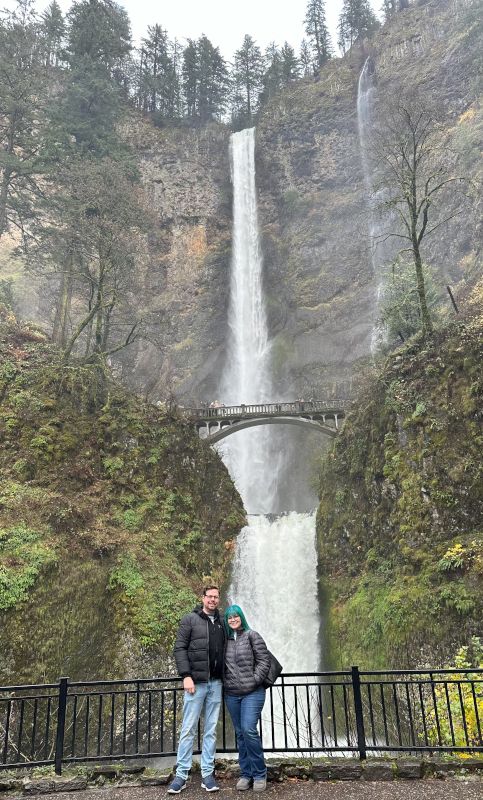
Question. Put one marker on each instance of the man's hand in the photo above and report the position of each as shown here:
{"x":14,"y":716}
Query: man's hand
{"x":188,"y":685}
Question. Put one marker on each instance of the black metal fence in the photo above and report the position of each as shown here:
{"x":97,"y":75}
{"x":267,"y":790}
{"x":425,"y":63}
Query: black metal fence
{"x":327,"y":712}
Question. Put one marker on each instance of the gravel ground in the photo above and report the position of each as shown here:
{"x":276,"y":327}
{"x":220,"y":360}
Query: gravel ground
{"x":299,"y":790}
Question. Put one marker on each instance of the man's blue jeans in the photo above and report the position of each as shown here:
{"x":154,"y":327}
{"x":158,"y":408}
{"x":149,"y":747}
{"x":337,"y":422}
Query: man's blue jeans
{"x":245,"y":711}
{"x":207,"y":695}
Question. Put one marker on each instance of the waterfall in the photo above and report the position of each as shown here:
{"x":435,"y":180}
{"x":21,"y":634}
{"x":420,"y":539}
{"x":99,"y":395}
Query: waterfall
{"x":274,"y":571}
{"x":378,"y":222}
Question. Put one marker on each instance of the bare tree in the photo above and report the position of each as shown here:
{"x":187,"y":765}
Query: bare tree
{"x":413,"y":165}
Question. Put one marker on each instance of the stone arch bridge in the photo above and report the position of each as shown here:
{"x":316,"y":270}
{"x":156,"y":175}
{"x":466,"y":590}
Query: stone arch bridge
{"x":216,"y":423}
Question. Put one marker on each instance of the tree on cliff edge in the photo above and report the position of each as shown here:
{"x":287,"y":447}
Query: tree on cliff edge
{"x":357,"y":20}
{"x":413,"y":166}
{"x":317,"y":33}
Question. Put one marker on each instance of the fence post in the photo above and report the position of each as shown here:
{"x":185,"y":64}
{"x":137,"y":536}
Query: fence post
{"x":356,"y":688}
{"x":59,"y":739}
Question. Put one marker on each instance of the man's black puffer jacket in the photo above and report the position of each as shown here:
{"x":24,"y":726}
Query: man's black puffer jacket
{"x":247,"y":662}
{"x":192,"y":646}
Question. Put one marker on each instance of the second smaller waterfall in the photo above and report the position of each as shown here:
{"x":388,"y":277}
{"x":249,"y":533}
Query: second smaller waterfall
{"x":378,"y":221}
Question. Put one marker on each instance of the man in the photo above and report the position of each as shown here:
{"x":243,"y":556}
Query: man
{"x":199,"y":657}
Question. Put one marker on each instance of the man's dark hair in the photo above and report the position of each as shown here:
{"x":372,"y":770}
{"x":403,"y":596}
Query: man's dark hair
{"x":208,"y":588}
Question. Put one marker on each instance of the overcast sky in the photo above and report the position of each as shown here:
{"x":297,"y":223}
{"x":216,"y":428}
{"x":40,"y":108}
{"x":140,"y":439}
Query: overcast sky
{"x":225,"y":22}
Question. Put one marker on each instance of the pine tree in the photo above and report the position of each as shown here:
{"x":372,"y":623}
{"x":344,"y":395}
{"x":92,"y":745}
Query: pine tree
{"x":212,"y":81}
{"x":356,"y":20}
{"x":317,"y":33}
{"x":305,"y":59}
{"x":97,"y":50}
{"x":52,"y":33}
{"x":23,"y":124}
{"x":290,"y":64}
{"x":272,"y":79}
{"x":248,"y":81}
{"x":157,"y":72}
{"x":190,"y":78}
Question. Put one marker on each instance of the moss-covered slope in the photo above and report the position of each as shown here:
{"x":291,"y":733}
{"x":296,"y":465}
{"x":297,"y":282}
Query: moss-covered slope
{"x":112,"y":513}
{"x":400,"y":523}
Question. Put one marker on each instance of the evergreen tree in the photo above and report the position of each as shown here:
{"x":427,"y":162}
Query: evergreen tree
{"x":272,"y":79}
{"x":22,"y":116}
{"x":305,"y":59}
{"x":97,"y":52}
{"x":158,"y":75}
{"x":317,"y":33}
{"x":190,"y":77}
{"x":356,"y":20}
{"x":212,"y":81}
{"x":52,"y":33}
{"x":205,"y":80}
{"x":290,"y":64}
{"x":248,"y":81}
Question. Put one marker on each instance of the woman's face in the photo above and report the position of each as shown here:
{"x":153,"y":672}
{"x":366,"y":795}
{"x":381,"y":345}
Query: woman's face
{"x":234,"y":622}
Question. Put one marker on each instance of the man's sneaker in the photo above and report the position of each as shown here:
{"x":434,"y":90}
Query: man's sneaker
{"x":260,"y":785}
{"x":244,"y":784}
{"x":210,"y":784}
{"x":177,"y":786}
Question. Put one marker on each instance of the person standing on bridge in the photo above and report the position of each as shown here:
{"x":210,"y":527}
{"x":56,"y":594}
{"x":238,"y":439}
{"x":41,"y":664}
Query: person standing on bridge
{"x":247,"y":663}
{"x":199,"y":658}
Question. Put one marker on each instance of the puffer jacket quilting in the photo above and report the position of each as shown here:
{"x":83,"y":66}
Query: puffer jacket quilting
{"x":191,"y":649}
{"x":247,"y":662}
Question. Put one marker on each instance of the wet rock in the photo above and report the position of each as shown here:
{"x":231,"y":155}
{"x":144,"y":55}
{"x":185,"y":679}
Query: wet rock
{"x":39,"y":786}
{"x":409,"y":769}
{"x":378,"y":771}
{"x":75,"y":784}
{"x":345,"y":771}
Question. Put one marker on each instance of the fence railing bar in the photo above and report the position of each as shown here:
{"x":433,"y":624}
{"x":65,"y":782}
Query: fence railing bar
{"x":403,"y":711}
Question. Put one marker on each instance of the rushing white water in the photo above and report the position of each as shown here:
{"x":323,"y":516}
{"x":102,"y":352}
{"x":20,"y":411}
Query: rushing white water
{"x":377,"y":220}
{"x":275,"y":568}
{"x":275,"y":582}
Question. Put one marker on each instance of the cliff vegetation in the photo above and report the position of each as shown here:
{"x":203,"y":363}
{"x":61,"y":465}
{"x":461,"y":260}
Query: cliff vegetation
{"x":401,"y":508}
{"x":112,"y":514}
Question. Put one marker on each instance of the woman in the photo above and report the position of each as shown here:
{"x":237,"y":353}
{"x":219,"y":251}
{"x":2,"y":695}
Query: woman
{"x":247,"y":662}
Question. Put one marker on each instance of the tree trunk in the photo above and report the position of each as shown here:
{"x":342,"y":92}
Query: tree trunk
{"x":426,"y":322}
{"x":59,"y":333}
{"x":3,"y":201}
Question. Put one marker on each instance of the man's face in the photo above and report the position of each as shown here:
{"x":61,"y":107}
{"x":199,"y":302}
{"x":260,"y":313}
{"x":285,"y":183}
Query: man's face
{"x":211,"y":601}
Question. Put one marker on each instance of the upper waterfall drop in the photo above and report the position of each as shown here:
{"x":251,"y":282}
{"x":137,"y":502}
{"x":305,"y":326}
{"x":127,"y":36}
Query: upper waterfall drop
{"x":246,"y":378}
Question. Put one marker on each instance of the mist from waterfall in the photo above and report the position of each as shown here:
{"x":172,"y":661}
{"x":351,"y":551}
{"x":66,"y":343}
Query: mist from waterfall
{"x":275,"y":565}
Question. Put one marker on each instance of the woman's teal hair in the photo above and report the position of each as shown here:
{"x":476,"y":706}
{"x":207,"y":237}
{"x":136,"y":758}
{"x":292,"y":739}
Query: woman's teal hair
{"x":230,"y":611}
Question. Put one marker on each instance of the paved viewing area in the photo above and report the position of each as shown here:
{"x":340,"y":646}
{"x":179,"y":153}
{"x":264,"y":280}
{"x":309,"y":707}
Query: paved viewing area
{"x":449,"y":789}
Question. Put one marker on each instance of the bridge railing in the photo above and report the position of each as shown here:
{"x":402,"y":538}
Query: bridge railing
{"x":262,"y":409}
{"x":321,"y":712}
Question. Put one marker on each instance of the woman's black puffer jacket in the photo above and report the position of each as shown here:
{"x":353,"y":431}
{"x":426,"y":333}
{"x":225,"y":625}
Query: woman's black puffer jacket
{"x":247,"y":662}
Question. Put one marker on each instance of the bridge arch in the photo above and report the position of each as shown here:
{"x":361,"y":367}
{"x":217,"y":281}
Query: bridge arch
{"x":227,"y":429}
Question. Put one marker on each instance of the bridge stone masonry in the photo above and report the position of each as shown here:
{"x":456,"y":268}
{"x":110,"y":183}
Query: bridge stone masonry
{"x":215,"y":423}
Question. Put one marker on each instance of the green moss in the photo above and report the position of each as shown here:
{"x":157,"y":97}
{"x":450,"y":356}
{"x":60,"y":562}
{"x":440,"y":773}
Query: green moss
{"x":401,"y":498}
{"x":22,"y":554}
{"x":113,"y":513}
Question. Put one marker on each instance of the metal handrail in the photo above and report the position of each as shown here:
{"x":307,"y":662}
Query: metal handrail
{"x":430,"y":710}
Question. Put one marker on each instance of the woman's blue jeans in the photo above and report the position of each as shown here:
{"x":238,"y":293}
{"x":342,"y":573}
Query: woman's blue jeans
{"x":245,"y":711}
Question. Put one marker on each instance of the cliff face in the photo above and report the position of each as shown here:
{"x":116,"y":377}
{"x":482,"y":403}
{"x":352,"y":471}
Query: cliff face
{"x":401,"y":504}
{"x":183,"y":288}
{"x":321,"y":289}
{"x":112,"y":515}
